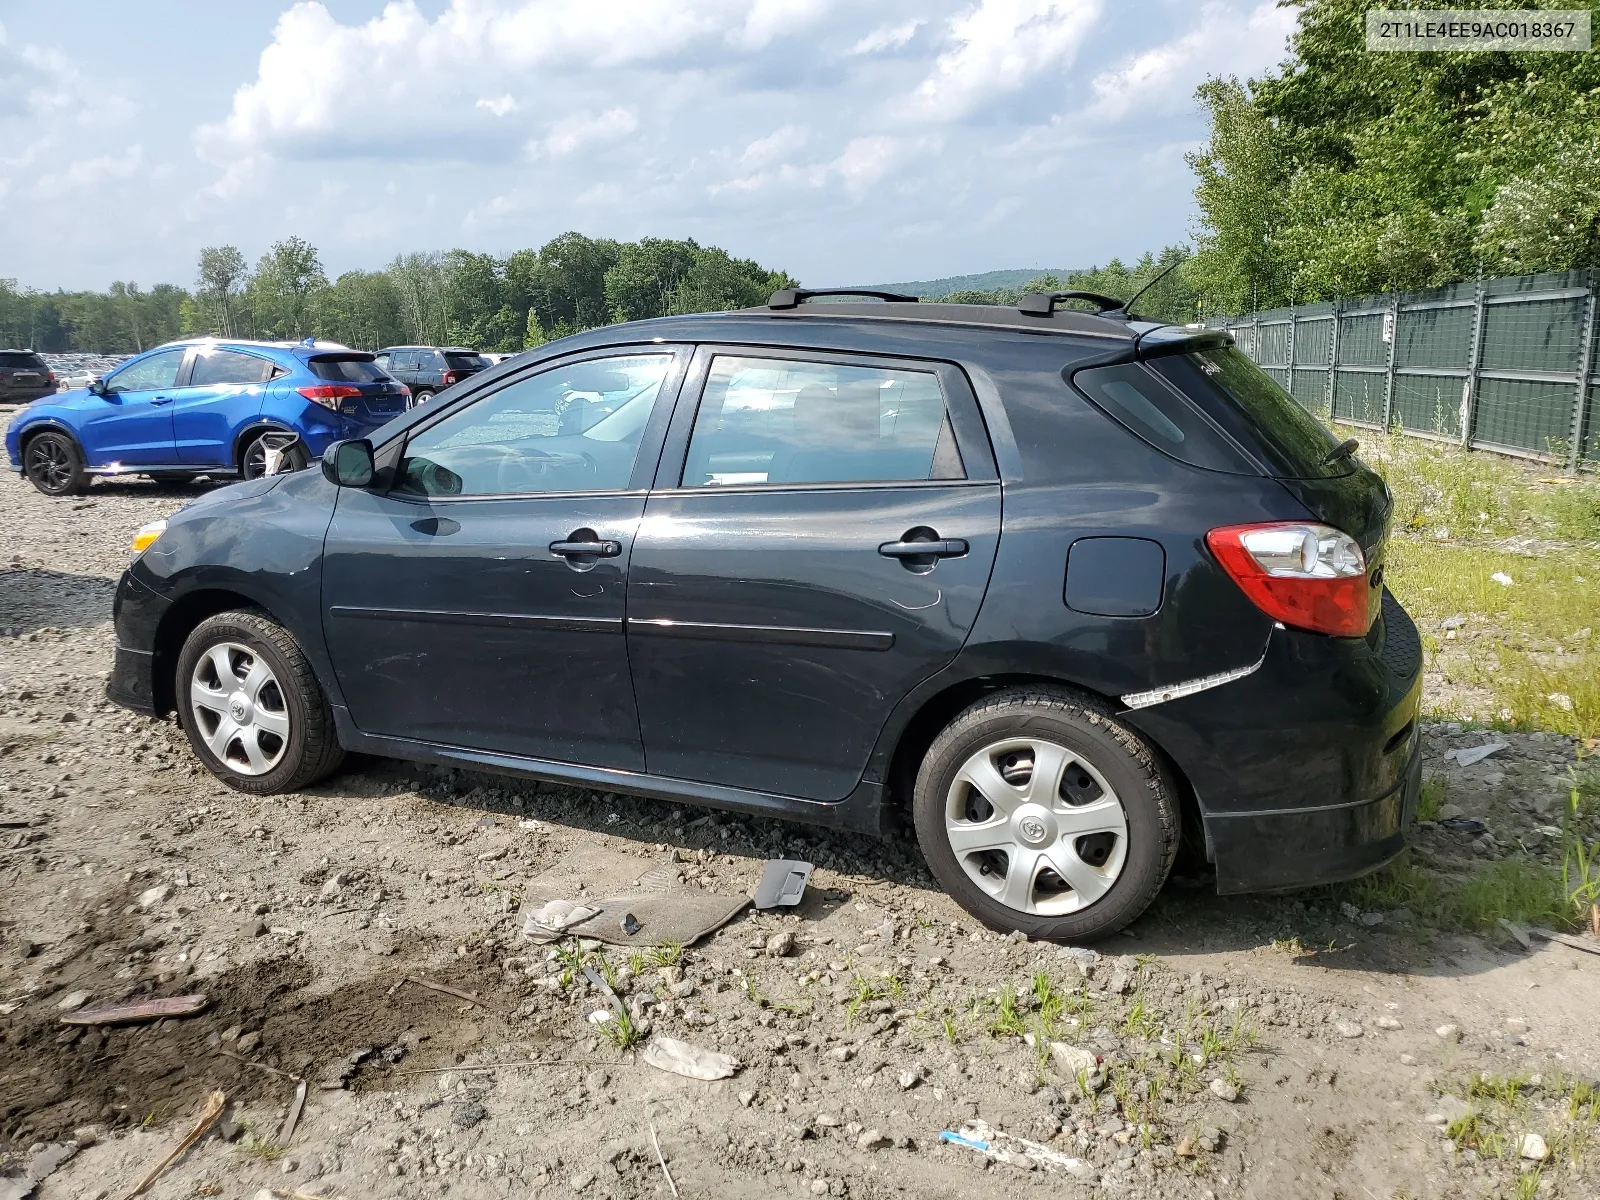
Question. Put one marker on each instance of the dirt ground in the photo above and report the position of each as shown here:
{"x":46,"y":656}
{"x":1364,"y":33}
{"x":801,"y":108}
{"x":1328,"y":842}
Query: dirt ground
{"x":1264,"y":1047}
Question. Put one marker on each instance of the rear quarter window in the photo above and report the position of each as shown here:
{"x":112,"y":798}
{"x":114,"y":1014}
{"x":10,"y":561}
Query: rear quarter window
{"x":1144,"y":405}
{"x":466,"y":362}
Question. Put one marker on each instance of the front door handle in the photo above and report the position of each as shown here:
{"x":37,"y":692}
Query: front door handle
{"x":597,"y":549}
{"x":161,"y":400}
{"x":947,"y":548}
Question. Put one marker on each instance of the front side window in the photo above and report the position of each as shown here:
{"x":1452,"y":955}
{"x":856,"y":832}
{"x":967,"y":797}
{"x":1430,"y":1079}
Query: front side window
{"x":214,"y":368}
{"x":159,"y":370}
{"x":572,"y":428}
{"x":775,"y":421}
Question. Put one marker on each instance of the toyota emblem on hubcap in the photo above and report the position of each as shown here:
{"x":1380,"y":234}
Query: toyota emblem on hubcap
{"x":1032,"y":829}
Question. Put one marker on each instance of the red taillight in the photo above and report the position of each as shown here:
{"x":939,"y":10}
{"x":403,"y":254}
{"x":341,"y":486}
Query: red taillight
{"x":449,"y":378}
{"x":329,"y":394}
{"x":50,"y":376}
{"x":1305,"y":575}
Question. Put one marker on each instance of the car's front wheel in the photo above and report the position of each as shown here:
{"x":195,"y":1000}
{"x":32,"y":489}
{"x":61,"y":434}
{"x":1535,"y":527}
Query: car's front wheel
{"x":54,"y":464}
{"x":1038,"y":811}
{"x":252,"y":707}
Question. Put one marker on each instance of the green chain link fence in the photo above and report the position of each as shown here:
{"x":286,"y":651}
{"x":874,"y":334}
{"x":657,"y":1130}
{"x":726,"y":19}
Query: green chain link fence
{"x":1511,"y":365}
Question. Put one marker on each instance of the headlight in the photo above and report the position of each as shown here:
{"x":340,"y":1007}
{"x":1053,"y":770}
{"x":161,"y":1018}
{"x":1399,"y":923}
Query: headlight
{"x":146,"y":536}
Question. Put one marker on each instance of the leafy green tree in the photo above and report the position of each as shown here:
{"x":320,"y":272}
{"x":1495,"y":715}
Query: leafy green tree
{"x":222,"y":270}
{"x":646,"y":275}
{"x":283,"y":290}
{"x":1346,"y":172}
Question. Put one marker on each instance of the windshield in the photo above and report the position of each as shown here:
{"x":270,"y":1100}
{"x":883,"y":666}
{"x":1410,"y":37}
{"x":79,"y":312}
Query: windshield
{"x":1262,"y":417}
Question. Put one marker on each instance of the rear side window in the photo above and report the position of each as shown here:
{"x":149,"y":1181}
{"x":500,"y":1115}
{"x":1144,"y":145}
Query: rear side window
{"x":465,"y":362}
{"x":1256,"y":412}
{"x":213,"y":368}
{"x":775,"y":421}
{"x":352,"y":368}
{"x":1141,"y":403}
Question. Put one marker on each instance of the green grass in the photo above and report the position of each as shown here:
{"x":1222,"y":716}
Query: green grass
{"x":1532,"y":648}
{"x":1432,"y":798}
{"x":1517,"y":889}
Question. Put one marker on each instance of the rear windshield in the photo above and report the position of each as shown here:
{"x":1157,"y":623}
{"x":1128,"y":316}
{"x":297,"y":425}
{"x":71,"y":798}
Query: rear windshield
{"x":1257,"y":413}
{"x":465,"y":362}
{"x":24,"y":361}
{"x":348,"y":368}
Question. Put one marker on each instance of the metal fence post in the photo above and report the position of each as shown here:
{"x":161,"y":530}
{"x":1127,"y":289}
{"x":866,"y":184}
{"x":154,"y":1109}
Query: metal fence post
{"x":1388,"y":363}
{"x":1333,"y":357}
{"x":1469,"y":397}
{"x":1288,"y":370}
{"x":1585,"y":356}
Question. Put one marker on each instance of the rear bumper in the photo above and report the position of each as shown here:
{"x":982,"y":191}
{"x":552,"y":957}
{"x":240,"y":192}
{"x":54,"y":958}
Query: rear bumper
{"x":1307,"y":770}
{"x":1296,"y":848}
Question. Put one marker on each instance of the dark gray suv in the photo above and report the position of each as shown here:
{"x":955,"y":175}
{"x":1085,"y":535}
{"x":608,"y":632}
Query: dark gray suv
{"x":428,"y":370}
{"x":1062,"y":587}
{"x":24,"y":377}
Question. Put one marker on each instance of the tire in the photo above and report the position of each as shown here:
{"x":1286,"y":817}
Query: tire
{"x":1111,"y":822}
{"x":284,"y":716}
{"x":253,"y":459}
{"x":418,"y":399}
{"x":54,"y":464}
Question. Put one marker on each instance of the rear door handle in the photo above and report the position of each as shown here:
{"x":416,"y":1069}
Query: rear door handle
{"x":948,"y":548}
{"x":601,"y":549}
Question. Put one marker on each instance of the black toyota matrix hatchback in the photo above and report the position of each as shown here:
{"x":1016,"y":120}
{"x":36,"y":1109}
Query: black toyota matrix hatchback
{"x":1064,"y":585}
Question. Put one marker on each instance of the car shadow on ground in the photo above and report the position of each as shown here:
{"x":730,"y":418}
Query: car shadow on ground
{"x":31,"y":600}
{"x":1305,"y":929}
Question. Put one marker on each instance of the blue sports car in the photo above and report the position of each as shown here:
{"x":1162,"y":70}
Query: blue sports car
{"x":204,"y":407}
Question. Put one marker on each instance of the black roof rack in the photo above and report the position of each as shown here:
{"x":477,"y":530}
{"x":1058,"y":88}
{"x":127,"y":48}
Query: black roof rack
{"x":791,"y":297}
{"x":1043,"y":304}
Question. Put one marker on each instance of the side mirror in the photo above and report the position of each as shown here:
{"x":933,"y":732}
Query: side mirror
{"x":97,"y":387}
{"x":348,"y":464}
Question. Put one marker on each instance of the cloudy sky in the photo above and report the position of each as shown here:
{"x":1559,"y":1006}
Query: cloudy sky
{"x":843,"y":140}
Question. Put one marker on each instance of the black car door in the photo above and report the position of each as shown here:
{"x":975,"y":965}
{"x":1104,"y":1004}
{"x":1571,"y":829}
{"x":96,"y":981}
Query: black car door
{"x":479,"y":602}
{"x":818,"y":543}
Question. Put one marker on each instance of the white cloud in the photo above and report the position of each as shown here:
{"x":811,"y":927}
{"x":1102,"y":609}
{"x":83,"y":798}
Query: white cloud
{"x":887,"y":37}
{"x":499,"y":106}
{"x":778,"y":144}
{"x":83,"y":174}
{"x":582,"y":129}
{"x":1222,"y":41}
{"x":1001,"y":46}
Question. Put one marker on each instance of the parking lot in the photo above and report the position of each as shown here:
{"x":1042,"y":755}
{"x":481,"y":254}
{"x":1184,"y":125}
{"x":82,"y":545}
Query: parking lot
{"x":1261,"y":1046}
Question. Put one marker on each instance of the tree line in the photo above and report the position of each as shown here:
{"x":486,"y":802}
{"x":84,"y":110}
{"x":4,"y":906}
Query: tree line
{"x":457,"y":297}
{"x":1347,"y":172}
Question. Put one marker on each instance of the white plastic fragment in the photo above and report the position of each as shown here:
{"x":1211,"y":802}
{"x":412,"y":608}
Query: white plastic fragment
{"x":552,"y":919}
{"x":694,"y":1062}
{"x":1476,"y":754}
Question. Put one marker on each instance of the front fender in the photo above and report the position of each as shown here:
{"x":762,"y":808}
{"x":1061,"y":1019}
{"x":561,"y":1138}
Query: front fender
{"x":31,"y":419}
{"x":260,"y":541}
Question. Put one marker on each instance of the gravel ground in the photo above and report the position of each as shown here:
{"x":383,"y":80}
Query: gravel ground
{"x":1272,"y":1047}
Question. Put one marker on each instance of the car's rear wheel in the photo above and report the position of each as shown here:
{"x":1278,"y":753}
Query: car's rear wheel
{"x":252,"y":707}
{"x":420,"y":398}
{"x":1038,"y":811}
{"x":54,"y":464}
{"x":253,"y":462}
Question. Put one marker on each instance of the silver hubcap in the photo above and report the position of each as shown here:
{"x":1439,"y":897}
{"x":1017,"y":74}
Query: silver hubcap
{"x":239,"y":708}
{"x":1036,"y":827}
